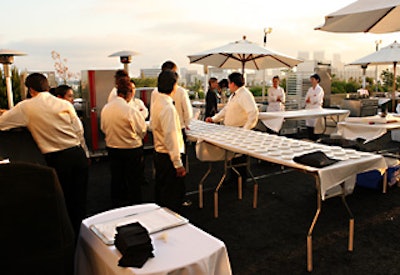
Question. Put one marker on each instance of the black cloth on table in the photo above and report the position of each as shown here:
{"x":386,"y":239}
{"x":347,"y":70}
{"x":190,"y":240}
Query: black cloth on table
{"x":316,"y":159}
{"x":134,"y":243}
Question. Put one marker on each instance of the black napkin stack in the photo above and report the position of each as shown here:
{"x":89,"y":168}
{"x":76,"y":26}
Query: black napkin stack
{"x":134,"y":243}
{"x":315,"y":159}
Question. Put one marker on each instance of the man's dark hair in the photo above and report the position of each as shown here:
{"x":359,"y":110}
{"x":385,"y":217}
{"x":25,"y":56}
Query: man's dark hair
{"x":211,"y":80}
{"x":37,"y":82}
{"x":316,"y":77}
{"x":275,"y":77}
{"x":223,"y":83}
{"x":52,"y":90}
{"x":236,"y":78}
{"x":120,"y":73}
{"x":168,"y":65}
{"x":166,"y":81}
{"x":124,"y":86}
{"x":62,"y":90}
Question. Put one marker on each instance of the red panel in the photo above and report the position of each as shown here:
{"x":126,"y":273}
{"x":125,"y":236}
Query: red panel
{"x":93,"y":111}
{"x":143,"y":96}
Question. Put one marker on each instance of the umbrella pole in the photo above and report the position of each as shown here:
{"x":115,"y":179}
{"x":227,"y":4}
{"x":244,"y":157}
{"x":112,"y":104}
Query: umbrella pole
{"x":394,"y":87}
{"x":205,"y":70}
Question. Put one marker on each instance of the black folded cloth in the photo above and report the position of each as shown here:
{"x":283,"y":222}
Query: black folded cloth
{"x":134,"y":243}
{"x":316,"y":159}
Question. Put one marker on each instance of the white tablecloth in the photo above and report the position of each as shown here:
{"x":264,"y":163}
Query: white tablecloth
{"x":368,"y":128}
{"x":274,"y":120}
{"x":282,"y":150}
{"x":187,"y":250}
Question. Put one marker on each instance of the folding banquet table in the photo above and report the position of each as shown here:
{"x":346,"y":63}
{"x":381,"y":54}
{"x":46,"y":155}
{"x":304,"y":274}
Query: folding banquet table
{"x":274,"y":120}
{"x":368,"y":128}
{"x":335,"y":180}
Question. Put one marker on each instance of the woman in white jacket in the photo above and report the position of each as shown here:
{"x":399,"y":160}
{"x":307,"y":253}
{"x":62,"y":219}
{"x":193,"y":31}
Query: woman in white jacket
{"x":314,"y":100}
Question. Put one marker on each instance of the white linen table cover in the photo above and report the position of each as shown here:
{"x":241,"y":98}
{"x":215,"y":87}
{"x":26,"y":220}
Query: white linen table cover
{"x":282,"y":150}
{"x":368,"y":128}
{"x":186,"y":250}
{"x":274,"y":120}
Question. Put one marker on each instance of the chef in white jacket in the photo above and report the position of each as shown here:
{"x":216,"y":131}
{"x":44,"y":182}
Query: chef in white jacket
{"x":276,"y":96}
{"x":314,"y":100}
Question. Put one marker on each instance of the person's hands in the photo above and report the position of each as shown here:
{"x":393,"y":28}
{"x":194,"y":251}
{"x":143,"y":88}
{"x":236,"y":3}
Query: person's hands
{"x":278,"y":99}
{"x":308,"y":100}
{"x":180,"y":172}
{"x":209,"y":119}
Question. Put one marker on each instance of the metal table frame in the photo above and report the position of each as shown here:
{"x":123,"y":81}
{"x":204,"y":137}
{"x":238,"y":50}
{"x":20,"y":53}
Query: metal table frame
{"x":228,"y":164}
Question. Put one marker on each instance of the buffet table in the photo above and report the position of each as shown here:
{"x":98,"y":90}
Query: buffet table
{"x":183,"y":249}
{"x":368,"y":128}
{"x":274,"y":120}
{"x":336,"y":179}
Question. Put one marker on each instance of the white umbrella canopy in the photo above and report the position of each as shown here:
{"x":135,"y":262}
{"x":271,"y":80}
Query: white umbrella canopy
{"x":386,"y":55}
{"x":375,"y":16}
{"x":243,"y":54}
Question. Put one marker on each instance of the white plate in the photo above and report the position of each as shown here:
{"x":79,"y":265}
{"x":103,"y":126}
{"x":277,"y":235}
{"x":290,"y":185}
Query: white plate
{"x":354,"y":156}
{"x":339,"y":153}
{"x":287,"y":157}
{"x":274,"y":153}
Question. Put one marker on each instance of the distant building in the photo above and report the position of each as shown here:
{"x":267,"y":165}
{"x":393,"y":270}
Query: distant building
{"x":150,"y":73}
{"x":303,"y":55}
{"x":319,"y":56}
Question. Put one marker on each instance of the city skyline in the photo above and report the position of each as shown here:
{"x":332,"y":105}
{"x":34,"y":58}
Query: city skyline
{"x":86,"y":33}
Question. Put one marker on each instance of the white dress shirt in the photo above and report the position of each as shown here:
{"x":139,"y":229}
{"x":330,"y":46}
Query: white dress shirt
{"x":316,"y":98}
{"x":166,"y":128}
{"x":52,"y":121}
{"x":241,"y":110}
{"x":273,"y":104}
{"x":123,"y":125}
{"x":183,"y":106}
{"x":136,"y":103}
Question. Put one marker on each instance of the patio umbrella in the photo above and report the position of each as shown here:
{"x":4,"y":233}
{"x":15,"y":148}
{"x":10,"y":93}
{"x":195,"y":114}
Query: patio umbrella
{"x":387,"y":55}
{"x":373,"y":16}
{"x":243,"y":54}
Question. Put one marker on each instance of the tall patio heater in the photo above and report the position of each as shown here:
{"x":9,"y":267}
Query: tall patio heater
{"x":125,"y":58}
{"x":7,"y":58}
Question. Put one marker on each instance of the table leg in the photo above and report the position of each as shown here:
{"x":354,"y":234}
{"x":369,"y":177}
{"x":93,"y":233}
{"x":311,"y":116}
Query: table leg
{"x":351,"y":220}
{"x":216,"y":195}
{"x":255,"y":187}
{"x":240,"y":183}
{"x":201,"y":185}
{"x":310,"y":230}
{"x":384,"y":183}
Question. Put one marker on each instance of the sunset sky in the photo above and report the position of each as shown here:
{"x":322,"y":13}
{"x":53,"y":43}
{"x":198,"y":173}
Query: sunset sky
{"x":86,"y":32}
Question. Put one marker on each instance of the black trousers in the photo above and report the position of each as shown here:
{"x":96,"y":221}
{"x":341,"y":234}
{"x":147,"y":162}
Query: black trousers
{"x":169,"y":189}
{"x":72,"y":166}
{"x":127,"y":175}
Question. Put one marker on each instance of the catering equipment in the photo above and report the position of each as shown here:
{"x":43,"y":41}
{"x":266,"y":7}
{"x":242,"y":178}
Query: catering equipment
{"x":96,"y":86}
{"x":360,"y":107}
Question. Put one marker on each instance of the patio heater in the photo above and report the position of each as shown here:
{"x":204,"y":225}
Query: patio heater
{"x":7,"y":58}
{"x":377,"y":43}
{"x":125,"y":57}
{"x":266,"y":32}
